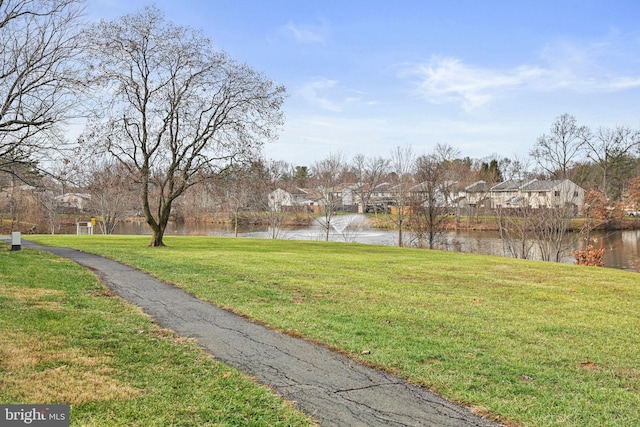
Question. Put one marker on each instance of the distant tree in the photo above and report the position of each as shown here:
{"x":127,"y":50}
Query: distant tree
{"x":461,"y":170}
{"x":523,"y":228}
{"x":611,"y":151}
{"x":552,"y":228}
{"x":369,"y":173}
{"x":587,"y":175}
{"x":38,"y":75}
{"x":516,"y":168}
{"x":48,"y":194}
{"x":235,"y":187}
{"x":276,"y":174}
{"x":556,"y":153}
{"x":516,"y":228}
{"x":402,"y":169}
{"x":633,"y":194}
{"x":301,"y":175}
{"x":19,"y":203}
{"x":490,"y":172}
{"x":175,"y":111}
{"x":431,"y":196}
{"x":327,"y":175}
{"x":594,"y":211}
{"x":197,"y":204}
{"x":113,"y":195}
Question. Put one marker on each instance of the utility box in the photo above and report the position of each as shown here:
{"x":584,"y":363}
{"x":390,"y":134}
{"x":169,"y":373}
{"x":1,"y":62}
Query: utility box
{"x":16,"y":241}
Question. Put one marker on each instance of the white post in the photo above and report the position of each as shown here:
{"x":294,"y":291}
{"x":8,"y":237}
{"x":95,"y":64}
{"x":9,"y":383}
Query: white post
{"x":16,"y":241}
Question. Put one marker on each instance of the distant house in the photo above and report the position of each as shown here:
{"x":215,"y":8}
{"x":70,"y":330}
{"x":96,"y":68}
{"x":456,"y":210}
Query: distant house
{"x":475,"y":195}
{"x":280,"y":198}
{"x":74,"y":200}
{"x":383,"y":192}
{"x":444,"y":195}
{"x":535,"y":194}
{"x":553,"y":194}
{"x":349,"y":196}
{"x":508,"y":194}
{"x":299,"y":198}
{"x":505,"y":194}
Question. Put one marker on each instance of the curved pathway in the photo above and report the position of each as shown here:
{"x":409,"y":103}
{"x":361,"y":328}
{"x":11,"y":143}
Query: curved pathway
{"x":333,"y":389}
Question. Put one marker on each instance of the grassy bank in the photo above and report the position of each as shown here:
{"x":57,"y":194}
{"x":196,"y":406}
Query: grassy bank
{"x":533,"y":343}
{"x":64,"y":338}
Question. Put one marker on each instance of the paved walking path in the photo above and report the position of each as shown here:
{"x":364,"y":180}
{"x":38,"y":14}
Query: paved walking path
{"x":333,"y":389}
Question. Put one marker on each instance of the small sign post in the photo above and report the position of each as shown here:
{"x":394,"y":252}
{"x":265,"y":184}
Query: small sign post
{"x":16,"y":241}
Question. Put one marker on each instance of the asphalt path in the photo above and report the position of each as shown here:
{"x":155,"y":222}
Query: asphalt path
{"x":331,"y":388}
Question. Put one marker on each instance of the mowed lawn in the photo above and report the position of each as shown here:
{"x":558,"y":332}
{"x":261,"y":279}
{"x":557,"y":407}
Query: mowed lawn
{"x":531,"y":343}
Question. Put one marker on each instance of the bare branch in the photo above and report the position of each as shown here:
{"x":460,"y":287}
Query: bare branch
{"x":174,"y":108}
{"x":37,"y":75}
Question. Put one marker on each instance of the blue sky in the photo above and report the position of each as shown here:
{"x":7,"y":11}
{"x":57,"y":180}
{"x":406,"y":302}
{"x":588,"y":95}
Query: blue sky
{"x":486,"y":77}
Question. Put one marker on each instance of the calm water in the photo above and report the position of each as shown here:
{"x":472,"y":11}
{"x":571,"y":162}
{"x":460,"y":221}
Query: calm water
{"x":622,"y":248}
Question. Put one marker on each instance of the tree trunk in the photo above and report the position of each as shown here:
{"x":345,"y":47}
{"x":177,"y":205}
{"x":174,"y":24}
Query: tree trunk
{"x":235,"y":225}
{"x":157,"y":231}
{"x":159,"y":227}
{"x":156,"y":239}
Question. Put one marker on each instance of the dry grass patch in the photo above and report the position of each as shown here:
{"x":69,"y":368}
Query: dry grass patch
{"x":43,"y":370}
{"x":46,"y":299}
{"x":72,"y":385}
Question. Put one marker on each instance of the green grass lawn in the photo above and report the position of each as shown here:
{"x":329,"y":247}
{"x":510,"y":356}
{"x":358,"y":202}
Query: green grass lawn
{"x":532,"y":343}
{"x":64,"y":338}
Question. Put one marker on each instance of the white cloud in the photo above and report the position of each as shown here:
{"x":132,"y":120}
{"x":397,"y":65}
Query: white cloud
{"x":327,"y":94}
{"x":623,"y":83}
{"x":305,"y":34}
{"x":315,"y":93}
{"x":449,"y":80}
{"x":446,"y":80}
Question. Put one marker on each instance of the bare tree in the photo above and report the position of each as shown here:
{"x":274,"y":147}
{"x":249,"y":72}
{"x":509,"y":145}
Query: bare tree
{"x":38,"y":75}
{"x":552,"y":231}
{"x":516,"y":168}
{"x":633,"y":195}
{"x":402,"y":168}
{"x":176,"y":110}
{"x":20,"y":203}
{"x":541,"y":222}
{"x":611,"y":149}
{"x":327,"y":175}
{"x":431,"y":201}
{"x":557,"y":152}
{"x":241,"y":191}
{"x":112,"y":191}
{"x":370,"y":172}
{"x":516,"y":228}
{"x":275,"y":173}
{"x":48,"y":194}
{"x":595,"y":213}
